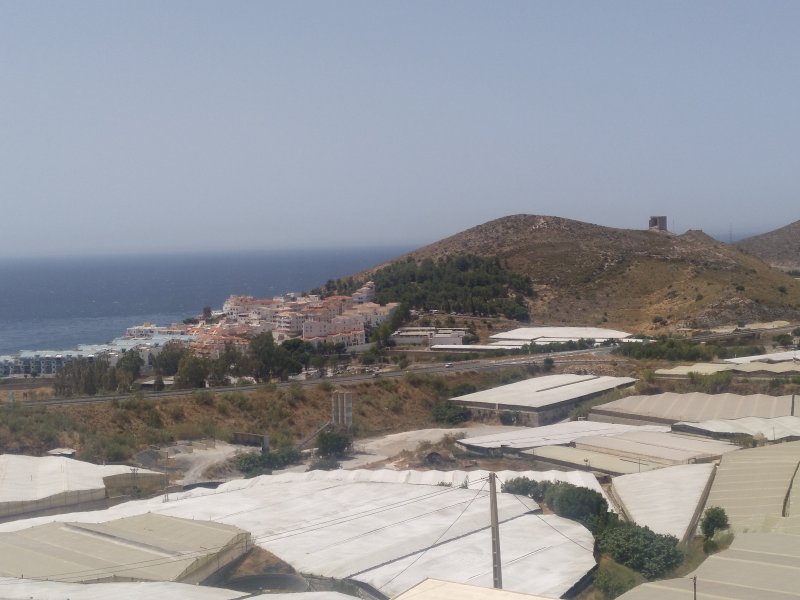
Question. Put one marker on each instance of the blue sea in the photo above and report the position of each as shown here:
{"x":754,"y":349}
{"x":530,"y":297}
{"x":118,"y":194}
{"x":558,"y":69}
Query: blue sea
{"x":58,"y":303}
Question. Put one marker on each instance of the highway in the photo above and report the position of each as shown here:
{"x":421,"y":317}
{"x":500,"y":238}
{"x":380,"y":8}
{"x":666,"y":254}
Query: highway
{"x":593,"y":356}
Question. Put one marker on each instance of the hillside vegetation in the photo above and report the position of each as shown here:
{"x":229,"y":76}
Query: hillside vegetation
{"x":636,"y":280}
{"x":780,"y":248}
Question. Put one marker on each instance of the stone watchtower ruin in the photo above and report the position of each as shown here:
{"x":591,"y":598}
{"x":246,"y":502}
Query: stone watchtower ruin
{"x":658,"y":224}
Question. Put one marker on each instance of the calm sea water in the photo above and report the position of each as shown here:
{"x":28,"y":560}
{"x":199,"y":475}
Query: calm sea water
{"x":55,"y":304}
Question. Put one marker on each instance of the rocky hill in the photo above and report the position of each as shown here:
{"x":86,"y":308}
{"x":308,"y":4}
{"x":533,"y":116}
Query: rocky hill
{"x":780,"y":248}
{"x":637,"y":280}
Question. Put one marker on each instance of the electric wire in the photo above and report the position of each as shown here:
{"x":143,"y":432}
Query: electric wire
{"x":421,"y":554}
{"x":267,"y":537}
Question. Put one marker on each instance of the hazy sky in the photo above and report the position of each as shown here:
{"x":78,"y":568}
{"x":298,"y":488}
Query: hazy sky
{"x":167,"y":125}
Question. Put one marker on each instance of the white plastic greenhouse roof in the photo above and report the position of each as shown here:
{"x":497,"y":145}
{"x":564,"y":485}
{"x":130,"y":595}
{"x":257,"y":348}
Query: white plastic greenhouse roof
{"x":545,"y":334}
{"x":751,"y":368}
{"x":658,"y":447}
{"x":26,"y":478}
{"x":694,"y":407}
{"x":772,"y":429}
{"x":540,"y":392}
{"x":372,"y":531}
{"x":436,"y":589}
{"x":27,"y":589}
{"x":773,"y":357}
{"x":665,"y":499}
{"x":551,"y":435}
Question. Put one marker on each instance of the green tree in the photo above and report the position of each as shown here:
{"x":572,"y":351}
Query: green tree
{"x":192,"y":372}
{"x":130,"y":362}
{"x":170,"y":357}
{"x":714,"y":519}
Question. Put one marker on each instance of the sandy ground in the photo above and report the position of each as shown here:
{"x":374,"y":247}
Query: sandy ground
{"x":372,"y":450}
{"x":195,"y":462}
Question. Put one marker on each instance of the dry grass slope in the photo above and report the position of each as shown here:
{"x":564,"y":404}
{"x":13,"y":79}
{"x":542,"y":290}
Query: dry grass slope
{"x":636,"y":280}
{"x":780,"y":248}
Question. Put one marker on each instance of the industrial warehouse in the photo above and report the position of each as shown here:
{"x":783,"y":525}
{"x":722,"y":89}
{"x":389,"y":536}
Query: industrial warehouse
{"x":541,"y":400}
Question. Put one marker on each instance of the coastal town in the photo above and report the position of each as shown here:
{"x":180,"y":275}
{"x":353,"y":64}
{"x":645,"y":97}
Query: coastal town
{"x":340,"y":321}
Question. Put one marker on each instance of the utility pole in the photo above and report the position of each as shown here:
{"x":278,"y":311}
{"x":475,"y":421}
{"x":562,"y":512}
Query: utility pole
{"x":694,"y":586}
{"x":496,"y":569}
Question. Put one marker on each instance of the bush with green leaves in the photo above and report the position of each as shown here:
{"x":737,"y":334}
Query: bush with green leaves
{"x":566,"y":500}
{"x":714,"y":519}
{"x":452,"y":414}
{"x":332,"y":443}
{"x":614,"y":580}
{"x":253,"y":464}
{"x":652,"y":554}
{"x":326,"y":463}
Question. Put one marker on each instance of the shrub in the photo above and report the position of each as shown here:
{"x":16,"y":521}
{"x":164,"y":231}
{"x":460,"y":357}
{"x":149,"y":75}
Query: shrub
{"x":462,"y":389}
{"x":331,"y":443}
{"x":446,"y":412}
{"x":326,"y":463}
{"x":614,"y":580}
{"x":651,"y":554}
{"x":252,"y":464}
{"x":713,"y":520}
{"x":203,"y":398}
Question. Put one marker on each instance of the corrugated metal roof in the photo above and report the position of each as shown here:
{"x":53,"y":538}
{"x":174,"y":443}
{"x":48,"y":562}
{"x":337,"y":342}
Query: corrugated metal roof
{"x":540,"y":392}
{"x":753,"y":485}
{"x":774,"y":429}
{"x":590,"y":460}
{"x":757,"y":566}
{"x":695,"y":407}
{"x":658,"y":447}
{"x":551,"y":435}
{"x":147,"y":547}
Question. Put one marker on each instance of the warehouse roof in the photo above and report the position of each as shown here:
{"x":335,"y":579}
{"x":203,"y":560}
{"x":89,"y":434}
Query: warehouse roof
{"x":753,"y":486}
{"x":577,"y":458}
{"x":778,"y":428}
{"x":664,"y":500}
{"x":773,"y":357}
{"x":530,"y":334}
{"x":671,"y":407}
{"x":550,"y":435}
{"x":756,"y":566}
{"x":147,"y":547}
{"x":752,"y":368}
{"x":658,"y":447}
{"x":540,"y":392}
{"x":378,"y":533}
{"x":436,"y":589}
{"x":25,"y":478}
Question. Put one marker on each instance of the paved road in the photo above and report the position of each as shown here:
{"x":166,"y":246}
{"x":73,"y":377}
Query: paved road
{"x":594,"y":356}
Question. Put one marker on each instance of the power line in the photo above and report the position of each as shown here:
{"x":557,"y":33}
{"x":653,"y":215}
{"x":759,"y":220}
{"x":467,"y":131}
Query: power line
{"x":421,"y":554}
{"x":269,"y":537}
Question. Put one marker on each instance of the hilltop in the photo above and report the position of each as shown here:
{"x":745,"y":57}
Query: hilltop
{"x":780,"y":248}
{"x":637,"y":280}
